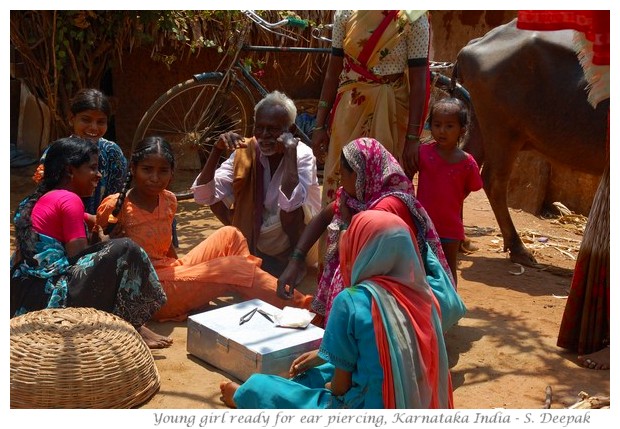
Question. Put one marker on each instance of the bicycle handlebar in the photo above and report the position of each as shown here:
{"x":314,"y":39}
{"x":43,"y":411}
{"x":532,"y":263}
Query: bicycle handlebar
{"x":290,"y":20}
{"x":296,"y":22}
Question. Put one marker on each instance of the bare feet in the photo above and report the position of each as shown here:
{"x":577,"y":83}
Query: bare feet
{"x":228,"y":389}
{"x":596,"y":360}
{"x":467,"y":246}
{"x":154,"y":340}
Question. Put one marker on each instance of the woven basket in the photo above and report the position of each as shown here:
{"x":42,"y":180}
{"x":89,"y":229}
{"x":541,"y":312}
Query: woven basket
{"x":79,"y":358}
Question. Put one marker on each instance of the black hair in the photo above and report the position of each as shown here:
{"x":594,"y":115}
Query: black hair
{"x":147,"y":146}
{"x":62,"y":154}
{"x":463,"y":112}
{"x":90,"y":99}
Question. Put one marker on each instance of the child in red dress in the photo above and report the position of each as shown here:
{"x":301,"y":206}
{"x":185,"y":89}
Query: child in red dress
{"x":447,"y":174}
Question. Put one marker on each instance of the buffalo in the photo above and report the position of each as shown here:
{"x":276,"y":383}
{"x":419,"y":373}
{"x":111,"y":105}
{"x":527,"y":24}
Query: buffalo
{"x":528,"y":92}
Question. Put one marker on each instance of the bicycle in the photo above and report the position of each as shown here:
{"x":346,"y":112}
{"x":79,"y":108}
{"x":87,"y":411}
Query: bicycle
{"x":192,"y":114}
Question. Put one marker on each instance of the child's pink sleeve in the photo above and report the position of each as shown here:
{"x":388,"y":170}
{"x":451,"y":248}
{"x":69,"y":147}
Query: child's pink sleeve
{"x":474,"y":179}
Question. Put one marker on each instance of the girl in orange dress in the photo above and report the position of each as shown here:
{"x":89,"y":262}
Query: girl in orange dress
{"x":220,"y":265}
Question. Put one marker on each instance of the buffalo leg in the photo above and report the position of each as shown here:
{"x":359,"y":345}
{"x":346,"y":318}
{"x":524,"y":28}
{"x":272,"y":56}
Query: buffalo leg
{"x":495,"y":175}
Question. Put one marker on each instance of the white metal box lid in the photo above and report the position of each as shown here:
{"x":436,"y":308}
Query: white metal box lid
{"x":258,"y":345}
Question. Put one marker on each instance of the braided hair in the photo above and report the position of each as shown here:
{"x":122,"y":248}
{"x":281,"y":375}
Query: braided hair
{"x":62,"y":154}
{"x":147,"y":146}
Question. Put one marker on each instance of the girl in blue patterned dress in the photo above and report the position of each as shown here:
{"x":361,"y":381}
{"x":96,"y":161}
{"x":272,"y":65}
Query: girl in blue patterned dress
{"x":90,"y":111}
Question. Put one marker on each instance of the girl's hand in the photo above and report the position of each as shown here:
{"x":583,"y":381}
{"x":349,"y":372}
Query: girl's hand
{"x":90,"y":220}
{"x":98,"y":235}
{"x":305,"y":362}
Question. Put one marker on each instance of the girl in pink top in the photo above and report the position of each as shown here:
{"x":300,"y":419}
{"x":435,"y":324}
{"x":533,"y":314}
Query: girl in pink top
{"x":447,"y":174}
{"x":55,"y":265}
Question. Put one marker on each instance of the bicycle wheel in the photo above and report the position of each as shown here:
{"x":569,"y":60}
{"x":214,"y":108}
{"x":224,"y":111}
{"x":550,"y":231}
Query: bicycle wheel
{"x":191,"y":116}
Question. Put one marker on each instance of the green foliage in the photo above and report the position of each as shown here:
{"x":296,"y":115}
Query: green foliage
{"x":60,"y":52}
{"x":63,"y":51}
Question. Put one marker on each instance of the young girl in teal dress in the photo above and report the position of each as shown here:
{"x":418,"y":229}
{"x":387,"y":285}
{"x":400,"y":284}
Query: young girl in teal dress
{"x":383,"y":344}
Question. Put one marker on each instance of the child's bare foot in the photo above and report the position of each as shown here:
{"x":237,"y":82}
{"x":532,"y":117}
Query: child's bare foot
{"x":467,"y":246}
{"x":154,"y":340}
{"x":596,"y":360}
{"x":228,"y":389}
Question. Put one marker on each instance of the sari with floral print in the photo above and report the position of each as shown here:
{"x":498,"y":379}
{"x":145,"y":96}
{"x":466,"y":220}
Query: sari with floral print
{"x":368,"y":104}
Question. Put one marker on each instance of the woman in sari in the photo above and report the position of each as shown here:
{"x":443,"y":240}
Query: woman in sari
{"x":383,"y":345}
{"x":372,"y":179}
{"x":376,"y":86}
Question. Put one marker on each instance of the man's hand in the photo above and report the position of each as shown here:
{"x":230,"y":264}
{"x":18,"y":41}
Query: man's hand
{"x":288,"y":143}
{"x":230,"y":141}
{"x":98,"y":235}
{"x":227,"y":142}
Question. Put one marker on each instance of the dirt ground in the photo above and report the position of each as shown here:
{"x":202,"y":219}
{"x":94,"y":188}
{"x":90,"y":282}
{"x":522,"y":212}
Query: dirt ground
{"x":502,"y":353}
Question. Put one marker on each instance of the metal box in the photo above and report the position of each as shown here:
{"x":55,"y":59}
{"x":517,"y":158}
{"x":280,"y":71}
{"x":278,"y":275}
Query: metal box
{"x":257,"y":346}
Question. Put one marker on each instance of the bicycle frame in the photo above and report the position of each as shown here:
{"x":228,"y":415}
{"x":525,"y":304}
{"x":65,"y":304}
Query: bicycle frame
{"x":292,"y":49}
{"x":238,"y":65}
